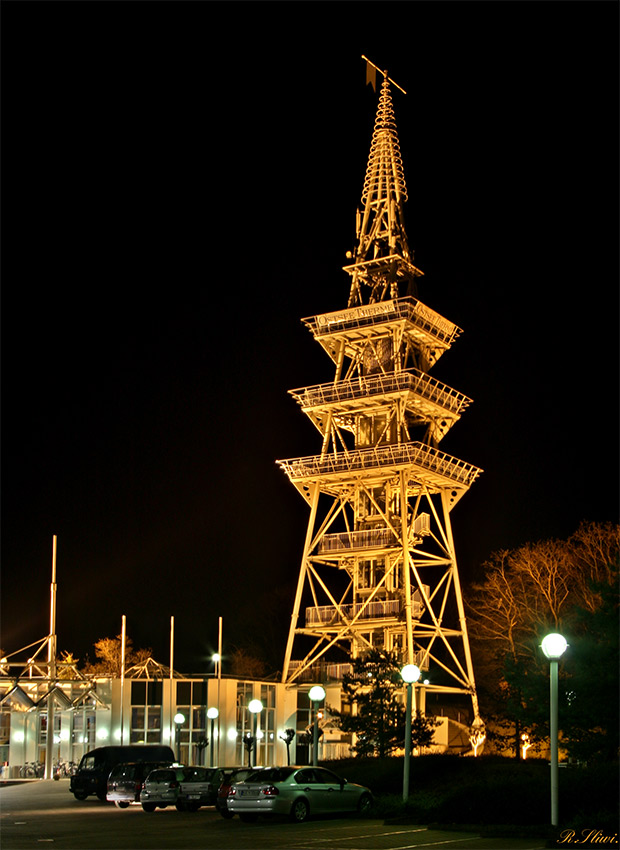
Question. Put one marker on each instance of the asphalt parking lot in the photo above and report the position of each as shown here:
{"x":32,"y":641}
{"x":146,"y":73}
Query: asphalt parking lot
{"x":44,"y":813}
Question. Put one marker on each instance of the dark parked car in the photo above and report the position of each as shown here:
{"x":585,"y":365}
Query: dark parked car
{"x":231,"y":774}
{"x":91,"y":777}
{"x":125,"y":781}
{"x":297,"y":792}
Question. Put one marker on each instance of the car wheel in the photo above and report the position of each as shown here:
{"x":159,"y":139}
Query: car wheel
{"x":226,"y":814}
{"x":121,"y":804}
{"x":102,"y":796}
{"x":300,"y":810}
{"x":148,"y":807}
{"x":364,"y":804}
{"x":248,"y":818}
{"x":80,"y":795}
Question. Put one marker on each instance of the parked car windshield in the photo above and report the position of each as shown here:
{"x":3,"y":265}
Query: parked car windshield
{"x":123,"y":771}
{"x":162,"y":776}
{"x":198,"y":774}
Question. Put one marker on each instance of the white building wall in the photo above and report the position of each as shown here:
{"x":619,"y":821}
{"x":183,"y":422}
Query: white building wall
{"x":110,"y":722}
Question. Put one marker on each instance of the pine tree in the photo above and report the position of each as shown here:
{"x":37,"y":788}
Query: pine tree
{"x":377,"y":716}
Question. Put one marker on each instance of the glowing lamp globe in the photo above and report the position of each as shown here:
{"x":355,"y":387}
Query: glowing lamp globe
{"x":212,"y":713}
{"x":554,"y":646}
{"x":410,"y":673}
{"x":317,"y":693}
{"x":255,"y":706}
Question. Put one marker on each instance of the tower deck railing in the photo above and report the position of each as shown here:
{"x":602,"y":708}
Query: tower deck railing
{"x":409,"y":380}
{"x":407,"y":309}
{"x":333,"y":672}
{"x":427,"y":458}
{"x":324,"y":614}
{"x":370,"y":538}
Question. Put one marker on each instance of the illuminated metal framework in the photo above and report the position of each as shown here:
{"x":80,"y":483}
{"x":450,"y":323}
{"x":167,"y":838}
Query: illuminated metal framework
{"x":379,"y":567}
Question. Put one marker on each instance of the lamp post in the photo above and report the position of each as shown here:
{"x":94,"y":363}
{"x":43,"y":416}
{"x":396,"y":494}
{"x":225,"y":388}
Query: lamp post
{"x":316,"y":695}
{"x":255,"y":707}
{"x":212,"y":713}
{"x":410,"y":674}
{"x":554,"y":646}
{"x":179,"y":720}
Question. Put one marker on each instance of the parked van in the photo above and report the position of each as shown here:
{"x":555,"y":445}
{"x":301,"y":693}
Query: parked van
{"x":91,"y":776}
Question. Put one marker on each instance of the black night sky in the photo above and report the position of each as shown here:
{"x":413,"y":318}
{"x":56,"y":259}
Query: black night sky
{"x":179,"y":189}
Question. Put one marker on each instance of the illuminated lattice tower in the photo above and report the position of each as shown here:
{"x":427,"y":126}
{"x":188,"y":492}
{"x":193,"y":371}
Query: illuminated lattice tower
{"x":379,"y":567}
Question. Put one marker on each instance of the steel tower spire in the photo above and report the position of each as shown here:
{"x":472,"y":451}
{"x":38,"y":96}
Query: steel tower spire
{"x":378,"y":568}
{"x":383,"y":266}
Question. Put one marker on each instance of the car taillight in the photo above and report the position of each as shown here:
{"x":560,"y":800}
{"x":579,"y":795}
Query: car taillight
{"x":174,"y":784}
{"x":270,"y":791}
{"x":232,"y":791}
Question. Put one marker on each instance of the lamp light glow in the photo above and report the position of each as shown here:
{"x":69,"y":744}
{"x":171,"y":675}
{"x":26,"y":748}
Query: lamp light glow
{"x":317,"y":693}
{"x":410,"y":673}
{"x":554,"y":646}
{"x":212,"y":713}
{"x":255,"y":706}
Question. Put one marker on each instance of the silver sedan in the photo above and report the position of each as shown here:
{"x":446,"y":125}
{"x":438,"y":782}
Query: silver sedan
{"x":297,"y":792}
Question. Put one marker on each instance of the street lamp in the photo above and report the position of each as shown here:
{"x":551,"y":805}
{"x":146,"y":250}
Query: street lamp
{"x":212,"y":713}
{"x":179,"y":720}
{"x":410,"y":674}
{"x":316,"y":695}
{"x":554,"y":646}
{"x":255,"y":707}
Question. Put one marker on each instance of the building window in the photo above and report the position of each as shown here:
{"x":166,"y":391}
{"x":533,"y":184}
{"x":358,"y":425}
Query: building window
{"x":83,"y":732}
{"x":5,"y":735}
{"x":146,"y":699}
{"x":245,"y":694}
{"x":265,"y":748}
{"x":42,"y":736}
{"x":266,"y":751}
{"x":191,"y":702}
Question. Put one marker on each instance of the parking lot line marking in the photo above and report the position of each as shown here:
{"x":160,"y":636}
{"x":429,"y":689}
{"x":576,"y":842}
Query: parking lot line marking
{"x":370,"y":835}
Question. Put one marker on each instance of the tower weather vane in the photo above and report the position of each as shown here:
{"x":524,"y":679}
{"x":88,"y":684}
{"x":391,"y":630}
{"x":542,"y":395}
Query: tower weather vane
{"x":372,"y":78}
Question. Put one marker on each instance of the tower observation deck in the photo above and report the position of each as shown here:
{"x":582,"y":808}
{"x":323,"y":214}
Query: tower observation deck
{"x":379,"y":568}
